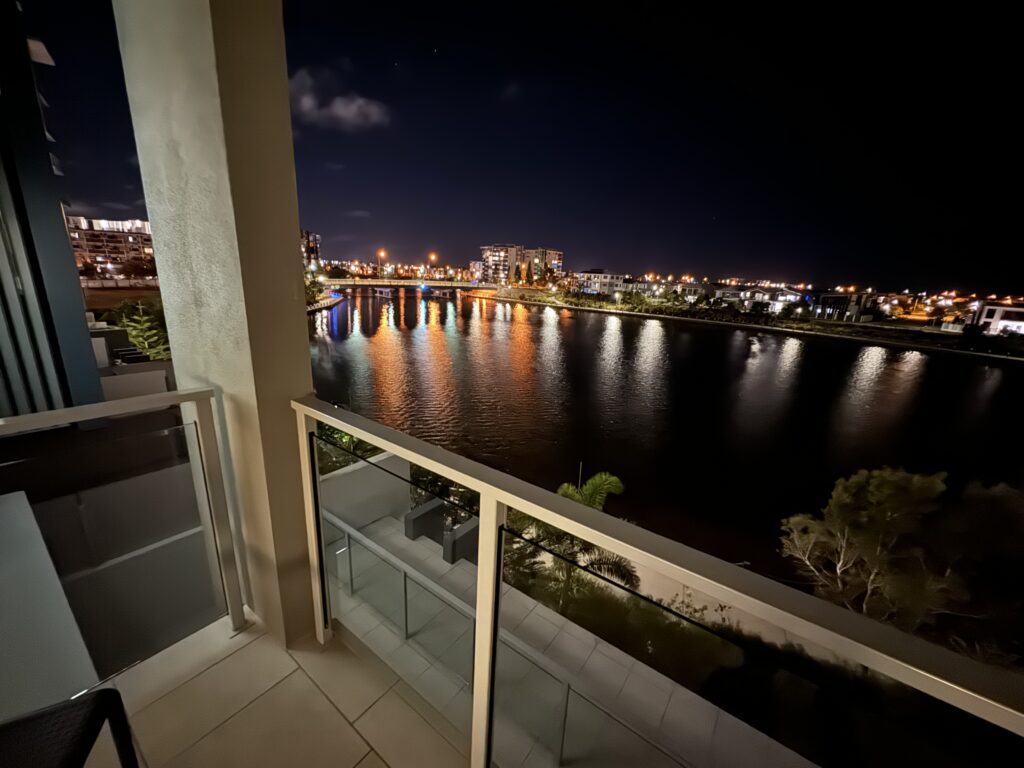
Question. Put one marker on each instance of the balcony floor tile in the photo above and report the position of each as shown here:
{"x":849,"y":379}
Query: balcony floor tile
{"x":404,"y":739}
{"x":352,"y":682}
{"x":143,"y":684}
{"x":313,"y":734}
{"x":178,"y":720}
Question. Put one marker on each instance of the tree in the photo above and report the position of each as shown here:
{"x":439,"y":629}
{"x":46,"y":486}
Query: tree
{"x":529,"y":273}
{"x":334,"y":272}
{"x":788,"y":311}
{"x":573,"y":555}
{"x":144,"y":324}
{"x":313,"y":289}
{"x":593,"y":493}
{"x":138,"y":268}
{"x":863,"y":552}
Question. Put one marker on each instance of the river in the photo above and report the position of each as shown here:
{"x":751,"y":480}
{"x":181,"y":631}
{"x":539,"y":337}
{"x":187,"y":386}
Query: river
{"x":717,"y":432}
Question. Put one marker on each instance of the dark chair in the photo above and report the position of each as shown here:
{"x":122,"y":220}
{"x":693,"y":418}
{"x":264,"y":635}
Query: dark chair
{"x":62,"y":736}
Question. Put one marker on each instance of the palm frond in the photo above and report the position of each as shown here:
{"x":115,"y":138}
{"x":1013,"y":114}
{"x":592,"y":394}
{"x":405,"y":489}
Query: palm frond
{"x":614,"y":567}
{"x":570,"y":491}
{"x":595,"y":491}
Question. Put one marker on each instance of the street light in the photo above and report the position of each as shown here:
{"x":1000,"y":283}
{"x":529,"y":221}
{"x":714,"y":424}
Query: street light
{"x":381,"y":254}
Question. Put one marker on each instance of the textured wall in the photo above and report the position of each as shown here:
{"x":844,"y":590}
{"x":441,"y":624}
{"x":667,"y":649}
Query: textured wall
{"x":207,"y":86}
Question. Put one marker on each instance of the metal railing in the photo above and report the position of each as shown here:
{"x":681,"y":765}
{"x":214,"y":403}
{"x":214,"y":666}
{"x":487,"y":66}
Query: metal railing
{"x":967,"y":684}
{"x":513,"y":643}
{"x":197,"y":407}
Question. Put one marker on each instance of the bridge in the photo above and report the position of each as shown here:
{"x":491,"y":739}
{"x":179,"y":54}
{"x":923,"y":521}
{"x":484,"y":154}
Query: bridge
{"x":371,"y":282}
{"x":387,"y":288}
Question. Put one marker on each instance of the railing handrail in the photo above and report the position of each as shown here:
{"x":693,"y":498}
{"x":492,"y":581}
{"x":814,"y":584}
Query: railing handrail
{"x":30,"y":422}
{"x":203,"y":414}
{"x":515,"y":644}
{"x":990,"y":693}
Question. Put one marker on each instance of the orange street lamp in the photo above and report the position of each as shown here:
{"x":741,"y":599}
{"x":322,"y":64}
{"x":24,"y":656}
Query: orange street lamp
{"x":433,"y":256}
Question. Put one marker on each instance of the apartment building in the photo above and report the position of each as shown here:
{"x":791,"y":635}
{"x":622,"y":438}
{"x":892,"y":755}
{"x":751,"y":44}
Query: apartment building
{"x":109,"y":244}
{"x":599,"y":281}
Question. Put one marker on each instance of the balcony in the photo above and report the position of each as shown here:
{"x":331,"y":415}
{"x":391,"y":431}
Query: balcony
{"x":119,"y":559}
{"x":267,"y":579}
{"x":433,"y":563}
{"x":221,"y":697}
{"x":418,"y":596}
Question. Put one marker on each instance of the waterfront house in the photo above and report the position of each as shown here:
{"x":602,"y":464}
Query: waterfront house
{"x":998,"y":317}
{"x":597,"y":281}
{"x":689,"y":291}
{"x":727,"y":293}
{"x":848,"y":307}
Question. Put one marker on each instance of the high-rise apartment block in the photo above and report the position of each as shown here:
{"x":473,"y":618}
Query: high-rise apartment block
{"x":543,"y":262}
{"x":498,"y":261}
{"x":516,"y":264}
{"x":109,"y":244}
{"x":309,"y":243}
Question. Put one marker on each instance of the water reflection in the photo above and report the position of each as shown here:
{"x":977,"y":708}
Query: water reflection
{"x":698,"y":421}
{"x":984,"y":385}
{"x":879,"y":389}
{"x":647,"y":375}
{"x":767,"y":383}
{"x":610,"y":361}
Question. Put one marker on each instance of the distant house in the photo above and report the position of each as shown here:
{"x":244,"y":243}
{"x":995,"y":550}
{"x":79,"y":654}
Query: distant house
{"x":751,"y":295}
{"x":598,"y":281}
{"x":847,"y":307}
{"x":996,"y":318}
{"x":781,"y":297}
{"x":646,"y":287}
{"x":727,"y":293}
{"x":689,"y":291}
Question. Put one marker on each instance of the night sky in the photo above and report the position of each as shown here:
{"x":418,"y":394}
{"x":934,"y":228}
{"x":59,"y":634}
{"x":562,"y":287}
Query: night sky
{"x":865,"y":149}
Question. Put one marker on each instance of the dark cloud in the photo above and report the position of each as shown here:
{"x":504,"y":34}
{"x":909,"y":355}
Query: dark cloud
{"x":348,"y":112}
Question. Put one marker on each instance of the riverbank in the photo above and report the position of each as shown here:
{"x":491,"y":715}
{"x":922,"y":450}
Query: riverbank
{"x":790,"y":330}
{"x":325,"y":304}
{"x":102,"y":299}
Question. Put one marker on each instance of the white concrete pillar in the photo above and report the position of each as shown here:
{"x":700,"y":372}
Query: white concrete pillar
{"x":208,"y":89}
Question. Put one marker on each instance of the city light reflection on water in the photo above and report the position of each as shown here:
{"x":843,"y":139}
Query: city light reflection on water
{"x":717,"y":432}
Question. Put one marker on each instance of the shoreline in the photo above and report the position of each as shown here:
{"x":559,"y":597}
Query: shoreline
{"x":760,"y":327}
